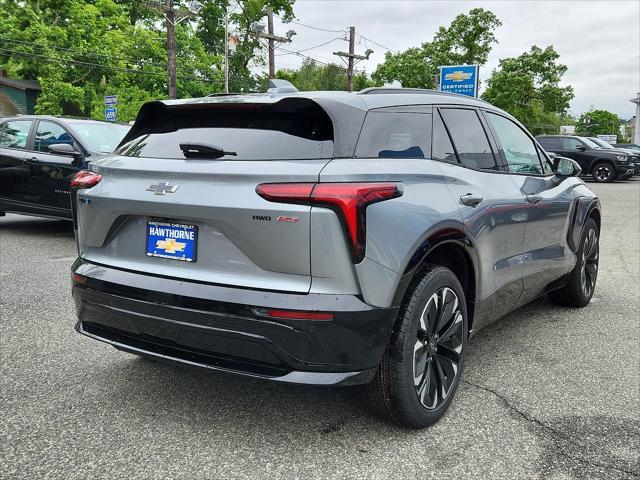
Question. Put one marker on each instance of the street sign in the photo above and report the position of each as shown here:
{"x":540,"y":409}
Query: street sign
{"x":461,"y":79}
{"x":111,"y":100}
{"x":110,"y":114}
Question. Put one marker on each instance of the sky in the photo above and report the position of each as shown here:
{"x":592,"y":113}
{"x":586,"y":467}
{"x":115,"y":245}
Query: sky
{"x":598,"y":41}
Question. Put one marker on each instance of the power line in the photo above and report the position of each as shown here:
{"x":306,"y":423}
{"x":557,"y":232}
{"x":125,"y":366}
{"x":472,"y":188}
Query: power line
{"x":302,"y":55}
{"x":78,"y":52}
{"x":315,"y":46}
{"x":314,"y":28}
{"x":107,"y":67}
{"x":375,"y":43}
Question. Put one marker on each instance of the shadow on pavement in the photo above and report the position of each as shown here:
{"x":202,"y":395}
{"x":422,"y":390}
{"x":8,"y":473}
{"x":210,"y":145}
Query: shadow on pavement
{"x":25,"y":225}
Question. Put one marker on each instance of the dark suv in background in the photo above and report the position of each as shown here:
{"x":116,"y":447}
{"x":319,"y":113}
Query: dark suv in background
{"x":39,"y":155}
{"x":604,"y":165}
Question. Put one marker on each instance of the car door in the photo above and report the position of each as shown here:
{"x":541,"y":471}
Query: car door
{"x":14,"y":136}
{"x":577,"y":150}
{"x":549,"y":202}
{"x":50,"y":174}
{"x":492,"y":207}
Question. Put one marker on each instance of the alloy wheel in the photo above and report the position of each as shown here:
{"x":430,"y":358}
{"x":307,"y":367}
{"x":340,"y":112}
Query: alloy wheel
{"x":589,"y":266}
{"x":437,"y":352}
{"x":603,"y":172}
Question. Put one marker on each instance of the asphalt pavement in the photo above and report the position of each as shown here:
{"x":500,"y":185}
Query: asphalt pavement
{"x":547,"y":392}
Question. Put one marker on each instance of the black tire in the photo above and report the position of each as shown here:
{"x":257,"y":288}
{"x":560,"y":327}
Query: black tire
{"x":582,"y":279}
{"x":603,"y":172}
{"x":420,"y":358}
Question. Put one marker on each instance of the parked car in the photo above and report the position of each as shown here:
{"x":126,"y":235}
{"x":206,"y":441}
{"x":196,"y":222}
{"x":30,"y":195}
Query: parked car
{"x":635,"y":156}
{"x":602,"y":165}
{"x":39,"y":155}
{"x":327,"y":238}
{"x":629,"y":146}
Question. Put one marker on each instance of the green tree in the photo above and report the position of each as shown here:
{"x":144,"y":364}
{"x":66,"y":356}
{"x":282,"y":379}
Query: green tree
{"x":598,"y":122}
{"x":242,"y":16}
{"x":82,"y":50}
{"x":468,"y":40}
{"x":527,"y":86}
{"x":313,"y":76}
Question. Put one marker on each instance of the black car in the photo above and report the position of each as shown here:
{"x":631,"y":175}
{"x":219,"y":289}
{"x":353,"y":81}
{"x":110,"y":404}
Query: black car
{"x":634,"y":147}
{"x":635,"y":160}
{"x":39,"y":155}
{"x":603,"y":165}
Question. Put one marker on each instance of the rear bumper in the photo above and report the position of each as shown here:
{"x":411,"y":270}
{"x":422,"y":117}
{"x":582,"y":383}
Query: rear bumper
{"x":221,"y":328}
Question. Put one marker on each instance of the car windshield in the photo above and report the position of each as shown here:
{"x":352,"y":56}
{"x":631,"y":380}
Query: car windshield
{"x":100,"y":137}
{"x":590,"y":143}
{"x":601,"y":143}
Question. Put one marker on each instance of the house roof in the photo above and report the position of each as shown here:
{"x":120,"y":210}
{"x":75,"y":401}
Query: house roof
{"x":20,"y":84}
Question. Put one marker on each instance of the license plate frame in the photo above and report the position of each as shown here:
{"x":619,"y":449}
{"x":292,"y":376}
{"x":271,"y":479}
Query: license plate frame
{"x":169,"y":231}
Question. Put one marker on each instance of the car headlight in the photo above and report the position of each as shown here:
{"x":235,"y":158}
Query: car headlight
{"x":622,"y":158}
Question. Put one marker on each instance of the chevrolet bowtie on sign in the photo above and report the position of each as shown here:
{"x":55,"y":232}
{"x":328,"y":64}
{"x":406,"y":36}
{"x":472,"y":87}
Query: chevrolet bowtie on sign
{"x":172,"y":240}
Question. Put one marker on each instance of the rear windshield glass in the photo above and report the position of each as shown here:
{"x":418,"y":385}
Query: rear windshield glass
{"x":294,"y":130}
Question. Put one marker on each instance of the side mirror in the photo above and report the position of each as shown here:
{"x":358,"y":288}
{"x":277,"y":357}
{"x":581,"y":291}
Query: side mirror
{"x":581,"y":148}
{"x":64,"y":149}
{"x":564,"y":167}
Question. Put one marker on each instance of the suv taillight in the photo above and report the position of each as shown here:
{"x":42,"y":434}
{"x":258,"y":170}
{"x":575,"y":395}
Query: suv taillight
{"x":85,"y":179}
{"x":349,"y":200}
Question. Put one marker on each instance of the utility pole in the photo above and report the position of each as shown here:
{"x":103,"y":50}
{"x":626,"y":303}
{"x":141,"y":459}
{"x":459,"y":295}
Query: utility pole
{"x":165,"y":7}
{"x":171,"y":48}
{"x":226,"y":50}
{"x":272,"y":44}
{"x":258,"y":31}
{"x":351,"y":57}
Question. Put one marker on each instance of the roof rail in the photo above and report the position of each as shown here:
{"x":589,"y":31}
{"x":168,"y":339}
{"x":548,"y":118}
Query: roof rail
{"x":375,"y":90}
{"x":280,"y":86}
{"x":423,"y":91}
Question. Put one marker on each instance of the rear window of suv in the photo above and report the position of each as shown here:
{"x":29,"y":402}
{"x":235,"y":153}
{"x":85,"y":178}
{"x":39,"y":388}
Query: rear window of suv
{"x":235,"y":131}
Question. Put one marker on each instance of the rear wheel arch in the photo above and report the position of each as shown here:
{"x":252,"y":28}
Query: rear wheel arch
{"x":449,"y":248}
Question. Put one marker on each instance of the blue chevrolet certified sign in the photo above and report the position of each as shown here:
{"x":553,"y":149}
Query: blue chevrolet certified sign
{"x":462,"y":79}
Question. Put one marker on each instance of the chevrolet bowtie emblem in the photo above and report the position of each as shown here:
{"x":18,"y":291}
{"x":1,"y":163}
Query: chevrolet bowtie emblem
{"x":169,"y":245}
{"x":162,"y":187}
{"x":458,"y":76}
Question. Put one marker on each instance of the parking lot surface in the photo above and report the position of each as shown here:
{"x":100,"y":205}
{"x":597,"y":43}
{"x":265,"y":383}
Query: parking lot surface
{"x":548,"y":392}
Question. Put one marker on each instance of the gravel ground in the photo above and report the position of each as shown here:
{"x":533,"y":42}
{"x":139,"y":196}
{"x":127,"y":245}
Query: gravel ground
{"x":548,"y":392}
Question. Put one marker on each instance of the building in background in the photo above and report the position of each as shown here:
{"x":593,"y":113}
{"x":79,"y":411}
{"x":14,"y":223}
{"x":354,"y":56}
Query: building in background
{"x":567,"y":129}
{"x":17,"y":96}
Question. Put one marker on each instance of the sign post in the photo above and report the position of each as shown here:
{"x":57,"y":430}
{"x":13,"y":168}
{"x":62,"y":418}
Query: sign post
{"x":462,"y":79}
{"x":110,"y":111}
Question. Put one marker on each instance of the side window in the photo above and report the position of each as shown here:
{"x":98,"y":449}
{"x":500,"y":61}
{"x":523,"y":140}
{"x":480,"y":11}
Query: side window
{"x":441,"y":147}
{"x":395,"y":135}
{"x":15,"y":134}
{"x":519,"y":150}
{"x":469,"y":138}
{"x":49,"y":133}
{"x":569,"y":143}
{"x":550,"y":144}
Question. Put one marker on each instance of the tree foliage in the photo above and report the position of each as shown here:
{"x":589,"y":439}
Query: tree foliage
{"x":82,"y":50}
{"x":468,"y":40}
{"x":527,"y":86}
{"x":598,"y":122}
{"x":312,"y":76}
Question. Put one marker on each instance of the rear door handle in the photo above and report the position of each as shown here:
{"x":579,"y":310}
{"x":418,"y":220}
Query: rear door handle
{"x":470,"y":199}
{"x":534,"y":198}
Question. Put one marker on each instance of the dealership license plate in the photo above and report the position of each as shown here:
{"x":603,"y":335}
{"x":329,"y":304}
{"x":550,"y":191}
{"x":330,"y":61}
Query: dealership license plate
{"x":176,"y":241}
